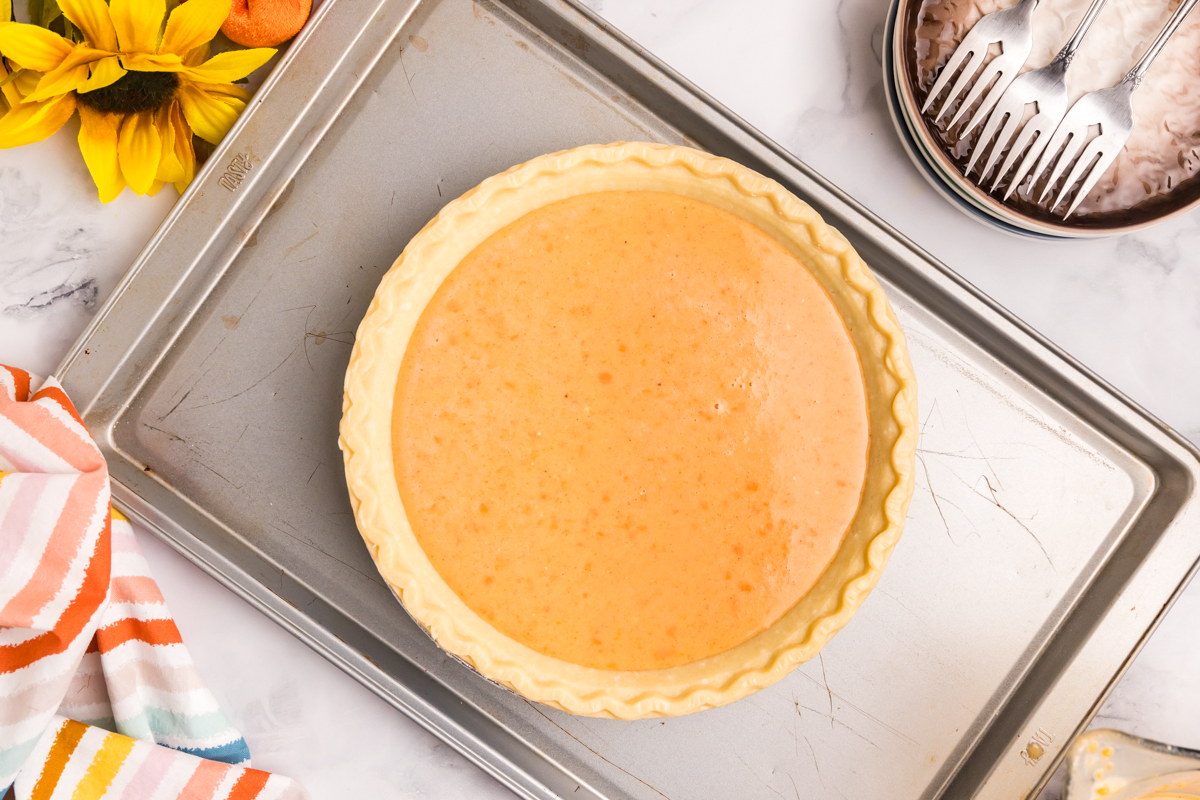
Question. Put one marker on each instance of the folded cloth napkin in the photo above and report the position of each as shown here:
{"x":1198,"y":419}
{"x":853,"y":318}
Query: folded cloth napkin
{"x":98,"y":695}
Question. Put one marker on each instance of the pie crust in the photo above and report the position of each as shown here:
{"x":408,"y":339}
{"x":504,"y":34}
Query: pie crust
{"x":366,"y":430}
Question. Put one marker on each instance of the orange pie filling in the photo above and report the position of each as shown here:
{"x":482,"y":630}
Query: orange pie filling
{"x":630,"y":430}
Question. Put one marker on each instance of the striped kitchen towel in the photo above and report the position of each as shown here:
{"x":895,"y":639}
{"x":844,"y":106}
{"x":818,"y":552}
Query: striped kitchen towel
{"x":75,"y":761}
{"x":95,"y":682}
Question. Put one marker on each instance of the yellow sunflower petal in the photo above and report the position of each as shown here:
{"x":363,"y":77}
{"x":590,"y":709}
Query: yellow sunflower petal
{"x":99,"y":134}
{"x":58,"y":82}
{"x":139,"y":149}
{"x":184,"y":152}
{"x":105,"y":72}
{"x":32,"y":46}
{"x":67,"y":76}
{"x":152,"y":62}
{"x":92,"y":17}
{"x":229,"y":66}
{"x":26,"y":81}
{"x":33,"y":122}
{"x":226,"y":89}
{"x":137,"y":23}
{"x":192,"y":24}
{"x":82,"y":54}
{"x":196,"y":56}
{"x":209,"y":116}
{"x":154,"y":187}
{"x":170,"y":169}
{"x":21,"y":86}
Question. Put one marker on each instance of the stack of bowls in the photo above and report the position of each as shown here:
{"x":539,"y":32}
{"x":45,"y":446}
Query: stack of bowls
{"x":905,"y":94}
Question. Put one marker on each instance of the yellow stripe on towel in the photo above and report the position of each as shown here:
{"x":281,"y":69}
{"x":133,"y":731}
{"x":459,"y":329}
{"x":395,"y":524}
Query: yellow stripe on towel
{"x":104,"y":767}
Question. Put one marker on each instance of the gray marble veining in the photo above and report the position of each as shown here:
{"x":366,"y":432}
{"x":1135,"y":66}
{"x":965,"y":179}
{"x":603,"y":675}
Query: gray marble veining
{"x":43,"y":261}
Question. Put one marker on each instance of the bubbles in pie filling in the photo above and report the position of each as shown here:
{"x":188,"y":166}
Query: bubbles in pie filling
{"x":1163,"y":151}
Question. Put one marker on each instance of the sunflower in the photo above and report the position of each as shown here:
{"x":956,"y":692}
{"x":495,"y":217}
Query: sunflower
{"x":142,"y":89}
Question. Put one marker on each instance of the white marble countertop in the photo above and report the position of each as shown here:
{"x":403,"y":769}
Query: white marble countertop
{"x":806,"y":73}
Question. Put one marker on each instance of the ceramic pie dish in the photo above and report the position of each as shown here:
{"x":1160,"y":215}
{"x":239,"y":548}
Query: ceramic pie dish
{"x":600,"y":615}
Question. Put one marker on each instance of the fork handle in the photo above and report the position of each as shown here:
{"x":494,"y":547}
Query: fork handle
{"x":1138,"y":72}
{"x":1067,"y":54}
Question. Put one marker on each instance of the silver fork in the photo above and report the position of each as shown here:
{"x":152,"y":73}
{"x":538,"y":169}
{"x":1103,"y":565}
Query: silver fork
{"x":1045,"y":87}
{"x":1112,"y":110}
{"x":1012,"y":29}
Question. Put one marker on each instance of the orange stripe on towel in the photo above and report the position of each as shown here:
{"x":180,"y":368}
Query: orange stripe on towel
{"x":74,"y":619}
{"x":20,"y":382}
{"x":249,"y":785}
{"x":69,"y":532}
{"x":150,"y":631}
{"x":60,"y":397}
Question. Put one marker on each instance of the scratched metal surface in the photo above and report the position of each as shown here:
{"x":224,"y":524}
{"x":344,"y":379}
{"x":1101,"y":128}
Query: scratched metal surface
{"x":1052,"y":523}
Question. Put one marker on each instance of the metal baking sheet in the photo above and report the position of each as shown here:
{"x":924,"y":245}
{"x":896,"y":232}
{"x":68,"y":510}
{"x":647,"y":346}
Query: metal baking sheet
{"x":1052,"y":525}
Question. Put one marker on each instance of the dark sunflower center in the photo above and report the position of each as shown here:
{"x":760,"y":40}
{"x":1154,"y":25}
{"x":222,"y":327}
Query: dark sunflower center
{"x":132,"y":92}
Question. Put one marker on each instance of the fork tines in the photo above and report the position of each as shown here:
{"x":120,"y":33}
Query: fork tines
{"x":1043,"y":87}
{"x":1011,"y":29}
{"x":1109,"y":109}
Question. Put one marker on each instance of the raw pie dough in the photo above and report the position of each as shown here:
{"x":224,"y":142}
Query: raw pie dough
{"x":631,"y":458}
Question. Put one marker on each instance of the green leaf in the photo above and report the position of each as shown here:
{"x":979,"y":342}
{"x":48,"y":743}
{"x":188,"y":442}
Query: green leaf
{"x":71,"y":32}
{"x":47,"y":14}
{"x":44,"y":12}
